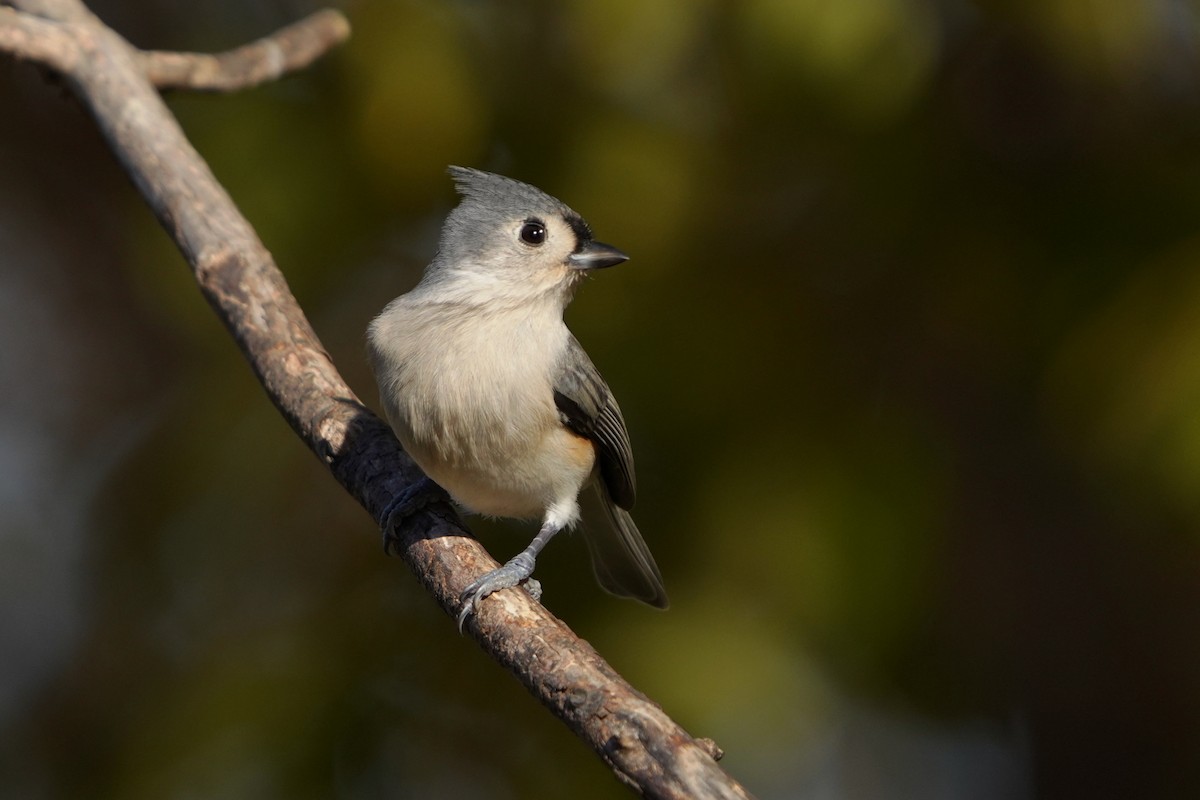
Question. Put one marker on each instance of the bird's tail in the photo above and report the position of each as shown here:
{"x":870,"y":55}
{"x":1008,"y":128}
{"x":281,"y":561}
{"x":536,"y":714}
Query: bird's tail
{"x":620,"y":558}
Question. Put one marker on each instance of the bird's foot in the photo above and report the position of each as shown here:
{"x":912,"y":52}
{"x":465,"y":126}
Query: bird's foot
{"x":415,"y":497}
{"x":516,"y":571}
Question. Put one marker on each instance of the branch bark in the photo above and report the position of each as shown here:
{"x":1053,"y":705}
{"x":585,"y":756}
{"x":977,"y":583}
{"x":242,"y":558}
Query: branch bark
{"x":238,"y":277}
{"x":267,"y":59}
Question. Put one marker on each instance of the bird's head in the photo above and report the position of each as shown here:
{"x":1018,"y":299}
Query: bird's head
{"x":510,"y":238}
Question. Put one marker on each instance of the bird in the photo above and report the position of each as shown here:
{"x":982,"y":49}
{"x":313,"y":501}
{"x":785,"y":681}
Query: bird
{"x":495,"y":399}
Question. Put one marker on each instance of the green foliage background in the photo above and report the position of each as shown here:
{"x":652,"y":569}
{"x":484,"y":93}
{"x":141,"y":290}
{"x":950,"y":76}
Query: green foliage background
{"x":909,"y":348}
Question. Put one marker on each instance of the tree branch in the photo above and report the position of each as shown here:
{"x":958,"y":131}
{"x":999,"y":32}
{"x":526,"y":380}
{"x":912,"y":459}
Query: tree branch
{"x":28,"y":37}
{"x":267,"y":59}
{"x":642,"y":745}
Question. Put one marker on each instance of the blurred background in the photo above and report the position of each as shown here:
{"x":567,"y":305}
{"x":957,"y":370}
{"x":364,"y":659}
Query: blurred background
{"x":909,"y":349}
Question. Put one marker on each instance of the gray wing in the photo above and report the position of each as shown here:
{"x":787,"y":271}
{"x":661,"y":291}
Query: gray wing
{"x":621,"y":560}
{"x":587,"y":407}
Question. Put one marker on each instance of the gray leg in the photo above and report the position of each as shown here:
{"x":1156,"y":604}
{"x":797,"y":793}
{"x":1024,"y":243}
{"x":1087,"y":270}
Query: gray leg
{"x":518,"y":569}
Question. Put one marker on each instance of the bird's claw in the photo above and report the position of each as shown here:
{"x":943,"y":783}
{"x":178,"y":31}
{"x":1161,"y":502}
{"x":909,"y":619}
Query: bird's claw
{"x":515,"y":572}
{"x":415,"y":497}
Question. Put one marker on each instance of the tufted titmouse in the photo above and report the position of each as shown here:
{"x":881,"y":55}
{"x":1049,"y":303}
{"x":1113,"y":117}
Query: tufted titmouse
{"x":495,"y":399}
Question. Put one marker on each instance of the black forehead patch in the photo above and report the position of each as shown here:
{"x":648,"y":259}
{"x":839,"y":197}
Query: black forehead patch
{"x":583,"y":231}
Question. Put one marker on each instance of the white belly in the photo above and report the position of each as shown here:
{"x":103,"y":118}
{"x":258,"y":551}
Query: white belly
{"x":474,"y":406}
{"x":522,"y":482}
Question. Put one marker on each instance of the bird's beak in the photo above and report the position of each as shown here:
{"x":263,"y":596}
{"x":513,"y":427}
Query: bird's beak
{"x":595,"y":255}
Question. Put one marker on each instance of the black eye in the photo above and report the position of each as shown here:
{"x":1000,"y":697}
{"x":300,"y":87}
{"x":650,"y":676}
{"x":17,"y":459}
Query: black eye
{"x":533,"y":232}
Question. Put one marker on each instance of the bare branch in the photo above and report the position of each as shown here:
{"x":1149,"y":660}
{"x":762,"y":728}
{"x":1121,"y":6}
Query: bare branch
{"x":59,"y":10}
{"x":30,"y":38}
{"x":642,"y":745}
{"x":286,"y":50}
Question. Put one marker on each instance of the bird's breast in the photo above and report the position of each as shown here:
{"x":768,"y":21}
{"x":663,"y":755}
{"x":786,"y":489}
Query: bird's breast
{"x":473,"y":404}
